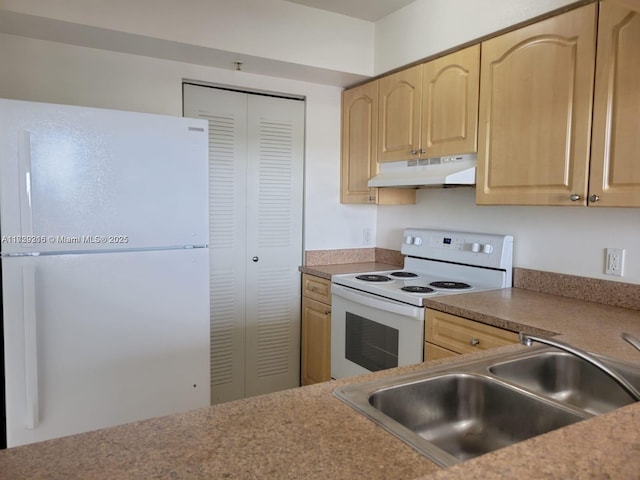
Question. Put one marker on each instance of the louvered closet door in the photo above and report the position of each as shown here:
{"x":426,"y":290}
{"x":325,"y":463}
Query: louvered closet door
{"x":226,"y":113}
{"x":274,"y":238}
{"x":255,"y":183}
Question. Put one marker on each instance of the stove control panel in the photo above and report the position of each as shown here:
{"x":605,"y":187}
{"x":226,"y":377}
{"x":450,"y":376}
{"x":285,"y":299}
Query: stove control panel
{"x":449,"y":243}
{"x":481,"y":249}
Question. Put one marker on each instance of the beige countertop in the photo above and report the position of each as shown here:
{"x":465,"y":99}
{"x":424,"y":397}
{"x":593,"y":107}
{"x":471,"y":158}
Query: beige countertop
{"x":307,"y":433}
{"x":325,"y":271}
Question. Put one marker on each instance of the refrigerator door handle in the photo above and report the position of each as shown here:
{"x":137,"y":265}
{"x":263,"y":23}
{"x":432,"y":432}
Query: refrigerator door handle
{"x":30,"y":345}
{"x":24,"y":169}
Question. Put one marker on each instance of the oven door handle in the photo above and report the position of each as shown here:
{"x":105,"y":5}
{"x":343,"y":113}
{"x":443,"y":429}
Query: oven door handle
{"x":373,"y":301}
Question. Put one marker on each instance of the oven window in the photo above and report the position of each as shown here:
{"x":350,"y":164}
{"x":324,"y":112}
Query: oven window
{"x":370,"y":344}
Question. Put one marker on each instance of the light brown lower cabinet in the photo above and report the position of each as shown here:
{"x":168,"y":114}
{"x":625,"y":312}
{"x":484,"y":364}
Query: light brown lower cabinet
{"x":315,"y":345}
{"x":447,"y":335}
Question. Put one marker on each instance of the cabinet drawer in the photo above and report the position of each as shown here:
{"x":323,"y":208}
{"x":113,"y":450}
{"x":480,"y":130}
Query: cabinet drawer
{"x":462,"y":335}
{"x":317,"y":288}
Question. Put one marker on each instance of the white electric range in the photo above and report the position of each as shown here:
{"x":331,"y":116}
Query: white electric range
{"x":377,"y":318}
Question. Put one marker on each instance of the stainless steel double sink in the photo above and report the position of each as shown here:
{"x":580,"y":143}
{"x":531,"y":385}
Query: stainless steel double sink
{"x":454,"y":413}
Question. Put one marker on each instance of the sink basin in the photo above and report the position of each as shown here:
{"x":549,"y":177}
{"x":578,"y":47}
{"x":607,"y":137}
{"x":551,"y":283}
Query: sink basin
{"x":467,"y":415}
{"x":456,"y":412}
{"x":569,"y":379}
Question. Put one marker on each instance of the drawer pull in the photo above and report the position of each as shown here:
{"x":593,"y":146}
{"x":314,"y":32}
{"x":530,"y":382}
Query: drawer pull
{"x":327,"y":312}
{"x":313,"y":288}
{"x":473,"y":342}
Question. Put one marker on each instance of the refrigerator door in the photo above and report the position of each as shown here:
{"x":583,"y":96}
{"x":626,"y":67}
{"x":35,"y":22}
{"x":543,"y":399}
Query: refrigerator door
{"x":87,"y":179}
{"x":98,"y":340}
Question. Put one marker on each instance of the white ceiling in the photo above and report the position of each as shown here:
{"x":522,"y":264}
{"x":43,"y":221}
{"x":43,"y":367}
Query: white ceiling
{"x":370,"y":10}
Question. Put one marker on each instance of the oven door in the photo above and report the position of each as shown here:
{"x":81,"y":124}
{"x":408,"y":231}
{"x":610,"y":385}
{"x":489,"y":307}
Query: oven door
{"x":371,"y":333}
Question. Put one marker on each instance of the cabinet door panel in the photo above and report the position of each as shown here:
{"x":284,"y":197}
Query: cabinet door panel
{"x":450,"y":103}
{"x":359,"y":143}
{"x":535,"y":112}
{"x":316,"y":342}
{"x":615,"y":169}
{"x":399,"y":117}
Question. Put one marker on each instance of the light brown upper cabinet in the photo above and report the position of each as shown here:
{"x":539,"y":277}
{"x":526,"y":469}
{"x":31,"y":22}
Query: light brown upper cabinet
{"x":359,"y":160}
{"x":431,"y":109}
{"x":399,"y":119}
{"x":450,"y":88}
{"x":615,"y":154}
{"x":535,"y":112}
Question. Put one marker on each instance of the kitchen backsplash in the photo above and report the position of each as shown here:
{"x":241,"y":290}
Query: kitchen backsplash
{"x":616,"y":294}
{"x":353,"y":255}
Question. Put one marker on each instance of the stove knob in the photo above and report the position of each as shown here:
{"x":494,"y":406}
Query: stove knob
{"x":408,"y":239}
{"x":475,"y":247}
{"x":417,"y":241}
{"x":488,"y":248}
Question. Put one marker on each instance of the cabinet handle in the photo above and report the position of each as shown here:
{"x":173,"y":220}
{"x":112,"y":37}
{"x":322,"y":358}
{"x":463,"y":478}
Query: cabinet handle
{"x":255,"y":259}
{"x":313,"y":288}
{"x":415,"y":152}
{"x":594,"y":198}
{"x":327,"y":312}
{"x":574,"y":197}
{"x":473,"y":342}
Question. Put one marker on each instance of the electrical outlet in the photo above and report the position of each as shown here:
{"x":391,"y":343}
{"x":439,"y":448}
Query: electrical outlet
{"x":366,"y":236}
{"x":614,"y":261}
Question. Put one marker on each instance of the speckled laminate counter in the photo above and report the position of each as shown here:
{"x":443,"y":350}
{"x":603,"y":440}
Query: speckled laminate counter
{"x":325,"y":271}
{"x":307,"y":433}
{"x":303,"y":433}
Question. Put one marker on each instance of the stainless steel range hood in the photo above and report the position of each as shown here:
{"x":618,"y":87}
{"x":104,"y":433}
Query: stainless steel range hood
{"x":429,"y":172}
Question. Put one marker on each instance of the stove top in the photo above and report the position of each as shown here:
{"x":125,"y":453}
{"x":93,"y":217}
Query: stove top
{"x":439,"y":263}
{"x":413,"y":289}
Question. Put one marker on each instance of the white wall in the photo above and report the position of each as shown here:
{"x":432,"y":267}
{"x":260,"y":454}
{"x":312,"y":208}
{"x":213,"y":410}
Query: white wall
{"x":426,"y":27}
{"x":269,"y":29}
{"x":51,"y":72}
{"x":567,"y":240}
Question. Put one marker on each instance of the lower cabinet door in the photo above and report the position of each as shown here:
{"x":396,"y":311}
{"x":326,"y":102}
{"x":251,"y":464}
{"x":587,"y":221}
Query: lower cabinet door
{"x":316,"y":342}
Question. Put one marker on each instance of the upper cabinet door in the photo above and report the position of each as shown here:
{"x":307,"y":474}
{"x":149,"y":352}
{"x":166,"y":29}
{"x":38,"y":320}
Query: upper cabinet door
{"x":615,"y":166}
{"x":359,"y":143}
{"x":450,"y":86}
{"x":535,"y":112}
{"x":399,"y":115}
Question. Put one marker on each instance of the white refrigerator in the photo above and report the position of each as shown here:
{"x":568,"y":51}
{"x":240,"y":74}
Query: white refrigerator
{"x":105,"y":290}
